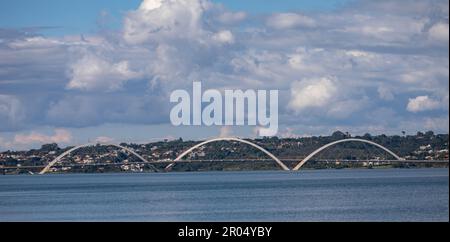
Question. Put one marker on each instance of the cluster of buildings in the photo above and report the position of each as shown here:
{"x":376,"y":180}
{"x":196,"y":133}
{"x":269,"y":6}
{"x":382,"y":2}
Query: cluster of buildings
{"x":429,"y":153}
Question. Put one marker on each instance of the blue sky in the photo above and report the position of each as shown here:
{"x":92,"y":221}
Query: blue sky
{"x":268,"y":6}
{"x":351,"y":65}
{"x":69,"y":17}
{"x":80,"y":17}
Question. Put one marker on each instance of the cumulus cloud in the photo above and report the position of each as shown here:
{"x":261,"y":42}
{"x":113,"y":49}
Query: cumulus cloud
{"x":92,"y":72}
{"x":36,"y":42}
{"x":312,"y":93}
{"x":166,"y":19}
{"x":439,"y":32}
{"x":289,"y":21}
{"x":104,"y":139}
{"x":422,"y":103}
{"x":385,"y":93}
{"x":11,"y":111}
{"x":230,"y":18}
{"x":376,"y":51}
{"x":345,"y":108}
{"x":225,"y":37}
{"x":91,"y":110}
{"x":150,"y":4}
{"x":289,"y":133}
{"x":60,"y":136}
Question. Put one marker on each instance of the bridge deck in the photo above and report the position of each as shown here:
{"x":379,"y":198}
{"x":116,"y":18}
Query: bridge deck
{"x":224,"y":160}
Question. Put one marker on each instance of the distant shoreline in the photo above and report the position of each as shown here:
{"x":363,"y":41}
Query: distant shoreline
{"x":437,"y":165}
{"x":338,"y":151}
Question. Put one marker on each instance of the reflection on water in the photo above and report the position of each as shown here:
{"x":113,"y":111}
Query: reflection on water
{"x":318,"y":195}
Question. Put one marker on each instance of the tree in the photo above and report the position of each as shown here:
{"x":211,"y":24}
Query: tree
{"x":338,"y":135}
{"x":49,"y":147}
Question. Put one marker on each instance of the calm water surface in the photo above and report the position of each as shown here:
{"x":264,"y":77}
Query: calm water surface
{"x":317,"y":195}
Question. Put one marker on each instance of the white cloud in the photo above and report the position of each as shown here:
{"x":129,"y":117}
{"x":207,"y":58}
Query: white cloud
{"x":385,"y":49}
{"x":388,"y":28}
{"x":312,"y":93}
{"x":422,"y":103}
{"x":289,"y":133}
{"x":35,"y":42}
{"x":290,"y":21}
{"x":150,"y":4}
{"x":229,"y":18}
{"x":225,"y":37}
{"x":104,"y":140}
{"x":166,"y":20}
{"x":385,"y":93}
{"x":359,"y":54}
{"x":440,"y":32}
{"x":343,"y":109}
{"x":90,"y":110}
{"x":92,"y":72}
{"x":11,"y":111}
{"x":60,"y":136}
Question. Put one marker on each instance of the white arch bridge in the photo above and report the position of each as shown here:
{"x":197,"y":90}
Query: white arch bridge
{"x":60,"y":157}
{"x":303,"y":162}
{"x":180,"y":157}
{"x":187,"y":152}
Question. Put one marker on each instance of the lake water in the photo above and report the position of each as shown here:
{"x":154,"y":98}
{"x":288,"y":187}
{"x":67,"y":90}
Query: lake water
{"x":316,"y":195}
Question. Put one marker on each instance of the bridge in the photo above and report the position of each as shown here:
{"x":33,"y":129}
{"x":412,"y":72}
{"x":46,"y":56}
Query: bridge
{"x":272,"y":157}
{"x":342,"y":161}
{"x":180,"y":157}
{"x":303,"y":162}
{"x":60,"y":157}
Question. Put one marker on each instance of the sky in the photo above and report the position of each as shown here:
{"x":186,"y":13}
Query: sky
{"x":73,"y":72}
{"x":59,"y":17}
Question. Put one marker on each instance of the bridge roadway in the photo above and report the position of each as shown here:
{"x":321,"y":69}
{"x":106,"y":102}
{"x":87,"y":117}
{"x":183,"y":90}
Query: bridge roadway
{"x":225,"y":160}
